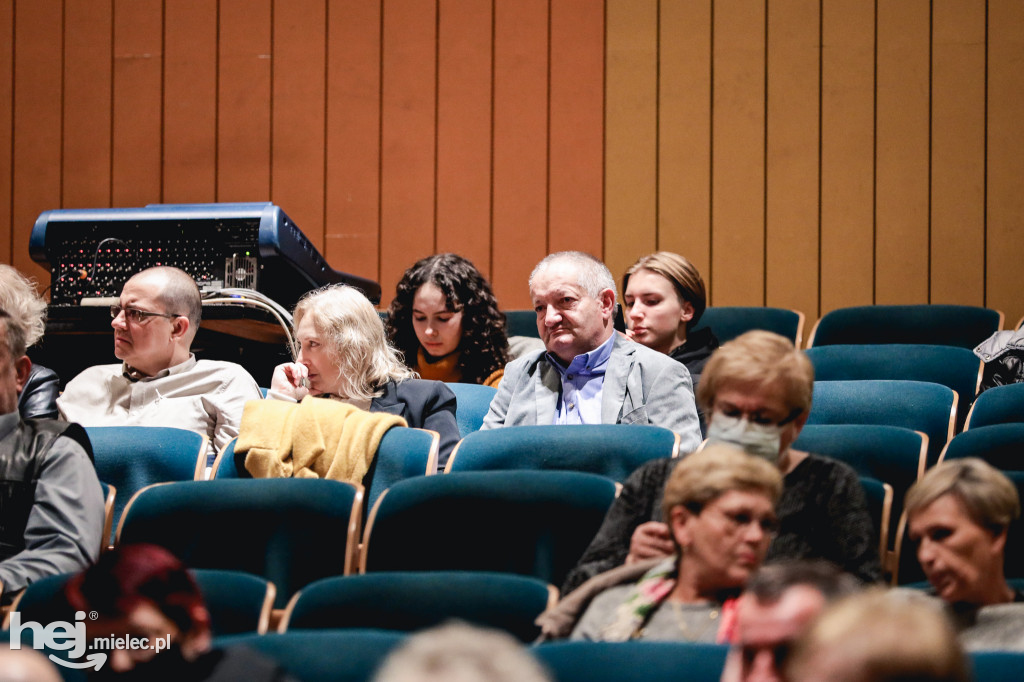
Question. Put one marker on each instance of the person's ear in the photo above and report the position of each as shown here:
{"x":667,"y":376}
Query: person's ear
{"x":22,"y":367}
{"x":180,"y":326}
{"x":679,"y":523}
{"x":999,"y":543}
{"x":687,"y":312}
{"x":607,"y":301}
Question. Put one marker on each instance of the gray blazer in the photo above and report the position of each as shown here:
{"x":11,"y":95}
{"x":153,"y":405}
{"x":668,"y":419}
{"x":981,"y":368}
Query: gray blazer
{"x":641,"y":386}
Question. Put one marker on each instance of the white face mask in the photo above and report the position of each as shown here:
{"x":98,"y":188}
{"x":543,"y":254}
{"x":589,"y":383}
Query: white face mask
{"x":762,"y":440}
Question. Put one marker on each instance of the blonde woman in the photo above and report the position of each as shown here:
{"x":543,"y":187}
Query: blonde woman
{"x":344,"y":354}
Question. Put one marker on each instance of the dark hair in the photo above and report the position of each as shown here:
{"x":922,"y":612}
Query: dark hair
{"x":770,"y":582}
{"x":130,"y":574}
{"x":484,"y":344}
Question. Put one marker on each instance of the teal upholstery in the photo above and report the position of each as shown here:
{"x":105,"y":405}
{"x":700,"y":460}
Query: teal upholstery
{"x":1001,"y":445}
{"x":917,"y":405}
{"x":236,"y":601}
{"x":402,"y":453}
{"x":997,"y":666}
{"x":472,"y":403}
{"x":633,"y":660}
{"x":289,"y":531}
{"x":534,"y":523}
{"x":409,"y":601}
{"x":997,"y":405}
{"x":522,"y":323}
{"x":132,"y":457}
{"x":890,"y":454}
{"x":878,"y":496}
{"x":728,"y":322}
{"x":957,"y":368}
{"x":323,"y":655}
{"x":611,"y":450}
{"x":947,"y":325}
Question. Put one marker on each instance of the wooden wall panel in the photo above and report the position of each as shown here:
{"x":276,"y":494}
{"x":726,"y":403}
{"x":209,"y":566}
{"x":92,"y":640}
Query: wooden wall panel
{"x":190,"y":101}
{"x":1005,"y":147}
{"x":243,"y":101}
{"x":576,"y":146}
{"x":85,"y":163}
{"x":958,"y":152}
{"x":738,"y":154}
{"x":791,"y":205}
{"x":6,"y":127}
{"x":464,"y":98}
{"x":37,"y":121}
{"x":408,"y":145}
{"x":902,"y":163}
{"x":684,"y":132}
{"x":520,"y":187}
{"x":137,"y":102}
{"x":847,"y":154}
{"x":353,"y":137}
{"x":299,"y":42}
{"x":631,"y":137}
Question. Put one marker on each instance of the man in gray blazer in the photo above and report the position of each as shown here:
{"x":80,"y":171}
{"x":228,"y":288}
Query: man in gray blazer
{"x":589,"y":374}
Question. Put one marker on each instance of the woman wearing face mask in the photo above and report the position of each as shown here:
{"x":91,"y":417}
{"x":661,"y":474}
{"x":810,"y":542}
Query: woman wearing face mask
{"x":756,"y":392}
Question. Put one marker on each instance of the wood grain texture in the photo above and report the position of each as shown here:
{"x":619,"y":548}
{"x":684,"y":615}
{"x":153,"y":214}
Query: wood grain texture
{"x":86,"y":151}
{"x":847,"y":154}
{"x":631,"y":135}
{"x":6,"y":127}
{"x":244,"y":101}
{"x":353,"y":137}
{"x":958,"y":152}
{"x":738,"y":154}
{"x":903,"y":143}
{"x":1005,"y":148}
{"x":791,"y":206}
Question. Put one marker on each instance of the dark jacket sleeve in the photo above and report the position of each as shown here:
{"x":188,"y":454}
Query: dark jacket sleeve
{"x":424,"y":404}
{"x":439,"y":416}
{"x":38,"y":399}
{"x":637,"y":503}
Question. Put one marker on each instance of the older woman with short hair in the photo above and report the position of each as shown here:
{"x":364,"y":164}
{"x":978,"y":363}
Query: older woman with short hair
{"x":958,"y":517}
{"x":344,"y":354}
{"x":720,"y":509}
{"x":756,"y":392}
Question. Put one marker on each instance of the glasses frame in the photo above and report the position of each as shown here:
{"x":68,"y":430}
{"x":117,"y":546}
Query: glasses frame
{"x":735,"y":524}
{"x":136,"y":316}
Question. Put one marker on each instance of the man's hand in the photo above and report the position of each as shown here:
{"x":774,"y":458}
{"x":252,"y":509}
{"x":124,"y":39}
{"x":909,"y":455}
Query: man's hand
{"x":650,"y":540}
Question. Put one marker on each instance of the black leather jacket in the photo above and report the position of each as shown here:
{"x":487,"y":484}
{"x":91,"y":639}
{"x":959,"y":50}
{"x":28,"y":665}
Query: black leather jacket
{"x":38,"y":399}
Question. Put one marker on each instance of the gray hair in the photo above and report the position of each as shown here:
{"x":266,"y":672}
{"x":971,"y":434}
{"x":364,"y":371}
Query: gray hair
{"x":14,"y":336}
{"x":25,"y":307}
{"x":592,"y":275}
{"x":353,"y":334}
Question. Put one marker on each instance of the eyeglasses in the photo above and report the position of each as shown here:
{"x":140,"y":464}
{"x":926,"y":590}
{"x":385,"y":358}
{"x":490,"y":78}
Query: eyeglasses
{"x":737,"y":520}
{"x":136,"y":316}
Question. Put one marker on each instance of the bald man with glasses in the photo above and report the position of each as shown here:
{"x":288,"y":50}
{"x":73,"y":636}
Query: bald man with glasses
{"x":159,"y":382}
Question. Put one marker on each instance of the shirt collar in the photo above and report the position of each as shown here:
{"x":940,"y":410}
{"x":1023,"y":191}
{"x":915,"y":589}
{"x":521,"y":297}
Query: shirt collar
{"x":590,"y":363}
{"x":133,"y":375}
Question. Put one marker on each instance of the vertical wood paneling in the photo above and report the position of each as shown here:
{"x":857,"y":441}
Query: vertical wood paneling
{"x":87,"y":113}
{"x":958,"y":152}
{"x":1005,"y":144}
{"x":353,"y":137}
{"x":684,"y":131}
{"x":902,"y":159}
{"x":520,"y":187}
{"x":631,"y":135}
{"x":6,"y":126}
{"x":138,"y":102}
{"x":408,"y":137}
{"x":576,"y":149}
{"x":190,"y":101}
{"x":738,"y":154}
{"x":792,"y":156}
{"x":37,"y":87}
{"x":299,"y":107}
{"x":847,"y":154}
{"x":464,"y":130}
{"x":243,"y":101}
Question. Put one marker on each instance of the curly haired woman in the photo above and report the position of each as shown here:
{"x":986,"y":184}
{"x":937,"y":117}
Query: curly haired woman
{"x":445,"y":320}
